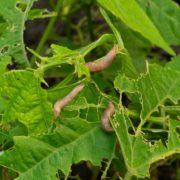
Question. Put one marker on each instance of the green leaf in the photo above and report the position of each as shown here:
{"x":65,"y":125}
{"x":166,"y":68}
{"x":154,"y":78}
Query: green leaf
{"x":111,"y":25}
{"x":132,"y":15}
{"x":81,"y":69}
{"x":26,"y":101}
{"x":105,"y":38}
{"x":40,"y":13}
{"x":3,"y":64}
{"x":175,"y":63}
{"x":3,"y":68}
{"x":126,"y":61}
{"x":64,"y":55}
{"x":62,"y":51}
{"x":14,"y":14}
{"x":165,"y":14}
{"x":157,"y":85}
{"x":137,"y":46}
{"x":17,"y":130}
{"x":76,"y":141}
{"x":138,"y":153}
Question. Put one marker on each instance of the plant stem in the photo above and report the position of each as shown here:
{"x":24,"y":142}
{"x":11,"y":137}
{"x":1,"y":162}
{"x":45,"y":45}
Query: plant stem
{"x":48,"y":30}
{"x":156,"y":120}
{"x":78,"y":28}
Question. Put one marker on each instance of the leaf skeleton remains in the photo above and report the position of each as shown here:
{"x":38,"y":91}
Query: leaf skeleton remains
{"x":93,"y":66}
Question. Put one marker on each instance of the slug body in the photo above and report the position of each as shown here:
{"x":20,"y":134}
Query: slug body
{"x":66,"y":100}
{"x":110,"y":110}
{"x":102,"y":64}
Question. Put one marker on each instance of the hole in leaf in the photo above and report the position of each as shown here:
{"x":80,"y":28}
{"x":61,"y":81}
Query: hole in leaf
{"x":45,"y":12}
{"x":125,"y":100}
{"x":152,"y":142}
{"x":50,"y":82}
{"x":4,"y":49}
{"x":17,"y":44}
{"x":82,"y":170}
{"x":131,"y":131}
{"x":12,"y":65}
{"x":164,"y":143}
{"x":21,"y":6}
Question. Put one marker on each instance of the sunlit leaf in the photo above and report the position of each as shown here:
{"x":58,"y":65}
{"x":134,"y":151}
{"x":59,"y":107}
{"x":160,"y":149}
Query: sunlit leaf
{"x":131,"y":14}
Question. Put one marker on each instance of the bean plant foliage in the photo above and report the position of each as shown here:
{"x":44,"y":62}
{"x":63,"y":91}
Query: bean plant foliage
{"x":143,"y":85}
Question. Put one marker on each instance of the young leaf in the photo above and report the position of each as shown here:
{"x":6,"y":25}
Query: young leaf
{"x":131,"y":14}
{"x":14,"y":13}
{"x":64,"y":55}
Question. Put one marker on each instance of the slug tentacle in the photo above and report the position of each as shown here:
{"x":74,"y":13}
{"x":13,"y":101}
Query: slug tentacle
{"x":67,"y":99}
{"x":110,"y":110}
{"x":103,"y":63}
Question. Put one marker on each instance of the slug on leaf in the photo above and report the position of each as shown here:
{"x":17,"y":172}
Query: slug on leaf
{"x":104,"y":62}
{"x":67,"y":99}
{"x":110,"y":110}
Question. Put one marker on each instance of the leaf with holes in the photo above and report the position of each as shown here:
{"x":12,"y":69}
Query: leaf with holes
{"x":40,"y":14}
{"x":38,"y":159}
{"x":75,"y":139}
{"x":156,"y":86}
{"x":14,"y":14}
{"x":138,"y":153}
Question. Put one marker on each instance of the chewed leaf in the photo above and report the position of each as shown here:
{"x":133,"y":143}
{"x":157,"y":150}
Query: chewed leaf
{"x":40,"y":13}
{"x":78,"y":135}
{"x":73,"y":145}
{"x":3,"y":64}
{"x":26,"y":101}
{"x":157,"y":85}
{"x":175,"y":63}
{"x":140,"y":154}
{"x":14,"y":13}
